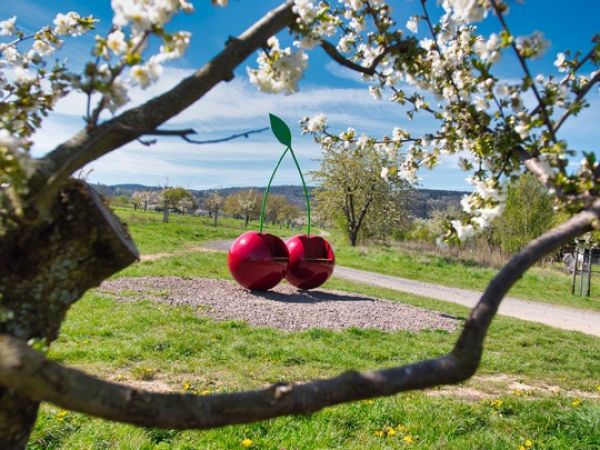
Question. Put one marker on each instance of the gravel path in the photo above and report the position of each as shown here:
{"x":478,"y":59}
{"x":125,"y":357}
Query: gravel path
{"x":563,"y":317}
{"x":284,"y":307}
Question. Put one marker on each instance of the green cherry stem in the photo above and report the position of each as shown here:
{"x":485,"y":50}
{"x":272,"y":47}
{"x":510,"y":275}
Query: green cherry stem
{"x":266,"y":194}
{"x":305,"y":191}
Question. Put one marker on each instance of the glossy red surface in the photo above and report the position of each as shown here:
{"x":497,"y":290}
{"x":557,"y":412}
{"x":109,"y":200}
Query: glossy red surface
{"x":311,"y":261}
{"x":258,"y":261}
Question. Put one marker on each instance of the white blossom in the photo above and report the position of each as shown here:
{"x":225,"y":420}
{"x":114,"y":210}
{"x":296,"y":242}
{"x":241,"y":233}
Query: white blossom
{"x":280,"y":70}
{"x":375,"y":92}
{"x":522,"y":129}
{"x":385,"y":173}
{"x":7,"y":27}
{"x":67,"y":24}
{"x":488,"y":50}
{"x":146,"y":74}
{"x":413,"y":24}
{"x":306,"y":11}
{"x":116,"y":42}
{"x":559,"y":62}
{"x":467,"y":10}
{"x":317,"y":123}
{"x":463,"y":231}
{"x":9,"y":141}
{"x":43,"y":48}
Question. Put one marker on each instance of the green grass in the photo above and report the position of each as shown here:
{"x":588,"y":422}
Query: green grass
{"x":545,"y":285}
{"x":151,"y":235}
{"x":181,"y":347}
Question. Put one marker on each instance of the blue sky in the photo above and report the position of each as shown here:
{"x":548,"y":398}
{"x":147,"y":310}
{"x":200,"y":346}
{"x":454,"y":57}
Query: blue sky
{"x":237,"y":105}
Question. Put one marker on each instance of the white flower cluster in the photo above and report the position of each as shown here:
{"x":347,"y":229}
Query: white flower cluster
{"x":143,"y":15}
{"x":467,"y":10}
{"x":279,"y":70}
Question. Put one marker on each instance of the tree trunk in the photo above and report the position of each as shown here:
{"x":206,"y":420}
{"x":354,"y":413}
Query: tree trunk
{"x":216,"y":217}
{"x":44,"y":269}
{"x":246,"y":220}
{"x":353,"y":237}
{"x":166,"y":212}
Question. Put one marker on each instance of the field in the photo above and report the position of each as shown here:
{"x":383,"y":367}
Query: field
{"x":537,"y":387}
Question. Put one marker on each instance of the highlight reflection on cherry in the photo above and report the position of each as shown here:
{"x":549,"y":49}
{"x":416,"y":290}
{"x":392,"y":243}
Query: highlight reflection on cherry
{"x":311,"y":261}
{"x":258,"y":261}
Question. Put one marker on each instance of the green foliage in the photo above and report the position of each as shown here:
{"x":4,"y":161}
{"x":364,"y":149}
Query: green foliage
{"x":354,"y":195}
{"x":528,"y":214}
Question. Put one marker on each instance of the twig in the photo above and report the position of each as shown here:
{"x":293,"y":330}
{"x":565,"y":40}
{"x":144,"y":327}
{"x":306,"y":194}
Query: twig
{"x":580,"y":95}
{"x":340,"y":59}
{"x":183,"y":134}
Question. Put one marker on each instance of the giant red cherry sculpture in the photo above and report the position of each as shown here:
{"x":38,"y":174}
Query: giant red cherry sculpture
{"x":258,"y":261}
{"x":311,"y":261}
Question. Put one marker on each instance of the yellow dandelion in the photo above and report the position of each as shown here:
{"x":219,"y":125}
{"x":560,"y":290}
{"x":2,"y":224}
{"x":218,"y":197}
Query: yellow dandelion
{"x":379,"y":433}
{"x":61,"y":415}
{"x":528,"y":443}
{"x":575,"y":403}
{"x":186,"y":386}
{"x":205,"y":391}
{"x":522,"y":447}
{"x":247,"y":443}
{"x":518,"y":392}
{"x":390,"y":431}
{"x":401,"y":428}
{"x":408,"y":439}
{"x":598,"y":387}
{"x":496,"y":403}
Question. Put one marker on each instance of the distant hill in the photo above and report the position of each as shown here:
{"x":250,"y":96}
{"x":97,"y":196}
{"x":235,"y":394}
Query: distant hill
{"x":421,"y":201}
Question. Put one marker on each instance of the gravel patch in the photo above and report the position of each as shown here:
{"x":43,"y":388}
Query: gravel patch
{"x":284,"y":307}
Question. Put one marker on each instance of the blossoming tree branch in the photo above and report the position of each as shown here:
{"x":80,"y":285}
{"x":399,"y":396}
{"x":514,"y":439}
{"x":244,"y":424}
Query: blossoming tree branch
{"x":57,"y":239}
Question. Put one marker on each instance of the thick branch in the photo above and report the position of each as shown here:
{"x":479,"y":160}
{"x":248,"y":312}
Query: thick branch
{"x":89,"y":145}
{"x":31,"y":374}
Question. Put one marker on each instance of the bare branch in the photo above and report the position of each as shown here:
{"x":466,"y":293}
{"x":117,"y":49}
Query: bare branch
{"x":29,"y":373}
{"x":90,"y":144}
{"x":184,"y":133}
{"x":340,"y":59}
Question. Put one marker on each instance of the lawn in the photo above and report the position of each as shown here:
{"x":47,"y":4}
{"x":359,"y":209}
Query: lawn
{"x":185,"y":232}
{"x":180,"y":348}
{"x":151,"y":235}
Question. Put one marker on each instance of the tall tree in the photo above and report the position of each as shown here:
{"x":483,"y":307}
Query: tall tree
{"x":528,"y":213}
{"x":213,"y":204}
{"x":357,"y":188}
{"x":58,"y":239}
{"x":243,"y":204}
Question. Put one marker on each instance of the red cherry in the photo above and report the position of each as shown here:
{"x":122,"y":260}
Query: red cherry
{"x":258,"y":261}
{"x":311,"y":261}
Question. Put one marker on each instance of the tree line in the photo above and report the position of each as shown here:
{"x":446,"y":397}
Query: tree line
{"x":244,"y":205}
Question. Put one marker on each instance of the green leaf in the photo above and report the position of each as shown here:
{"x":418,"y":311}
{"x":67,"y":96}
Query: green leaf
{"x":281,"y":130}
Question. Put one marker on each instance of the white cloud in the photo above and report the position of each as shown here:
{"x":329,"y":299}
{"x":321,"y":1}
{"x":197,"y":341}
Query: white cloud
{"x":228,"y":108}
{"x":236,"y":106}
